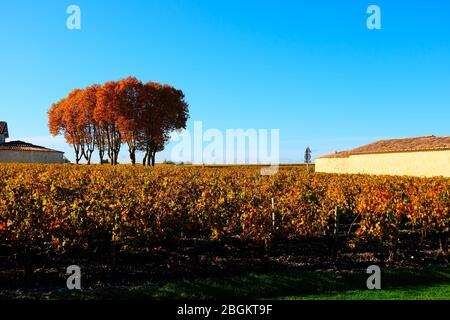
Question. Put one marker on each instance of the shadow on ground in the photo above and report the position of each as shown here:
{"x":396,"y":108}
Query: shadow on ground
{"x":309,"y":283}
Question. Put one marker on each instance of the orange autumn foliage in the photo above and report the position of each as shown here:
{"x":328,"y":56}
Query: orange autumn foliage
{"x":124,"y":111}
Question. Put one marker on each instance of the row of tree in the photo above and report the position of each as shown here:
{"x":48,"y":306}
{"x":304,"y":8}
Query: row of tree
{"x":126,"y":111}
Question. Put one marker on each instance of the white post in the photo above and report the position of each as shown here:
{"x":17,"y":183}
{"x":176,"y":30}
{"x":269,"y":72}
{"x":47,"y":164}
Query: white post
{"x":273,"y":212}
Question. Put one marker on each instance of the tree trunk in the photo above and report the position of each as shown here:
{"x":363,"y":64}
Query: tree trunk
{"x":78,"y":157}
{"x":153,"y":158}
{"x":77,"y":154}
{"x":149,"y":156}
{"x":88,"y":153}
{"x":111,"y":157}
{"x":132,"y":152}
{"x":144,"y":161}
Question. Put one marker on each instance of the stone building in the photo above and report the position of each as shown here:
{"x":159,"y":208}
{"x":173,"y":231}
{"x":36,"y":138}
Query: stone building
{"x":22,"y":152}
{"x":3,"y":132}
{"x":422,"y":156}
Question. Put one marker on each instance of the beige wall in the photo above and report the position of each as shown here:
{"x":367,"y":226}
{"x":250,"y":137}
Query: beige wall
{"x":422,"y":164}
{"x":9,"y":156}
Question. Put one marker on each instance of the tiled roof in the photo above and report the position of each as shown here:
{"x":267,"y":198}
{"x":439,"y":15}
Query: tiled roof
{"x":24,"y":146}
{"x":427,"y":143}
{"x":4,"y":129}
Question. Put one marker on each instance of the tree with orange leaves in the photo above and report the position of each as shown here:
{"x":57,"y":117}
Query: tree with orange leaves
{"x":130,"y":111}
{"x":73,"y":117}
{"x":165,"y":110}
{"x":64,"y":118}
{"x":87,"y":102}
{"x":106,"y":115}
{"x":125,"y":111}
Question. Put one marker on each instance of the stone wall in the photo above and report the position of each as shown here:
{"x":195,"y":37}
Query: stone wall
{"x":10,"y":156}
{"x":420,"y":164}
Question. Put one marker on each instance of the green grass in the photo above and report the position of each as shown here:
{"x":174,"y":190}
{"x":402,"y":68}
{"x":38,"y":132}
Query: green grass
{"x":434,"y":292}
{"x":312,"y":285}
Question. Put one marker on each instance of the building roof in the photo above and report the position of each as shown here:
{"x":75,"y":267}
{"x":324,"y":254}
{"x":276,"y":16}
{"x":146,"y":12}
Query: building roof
{"x":4,"y":129}
{"x":427,"y":143}
{"x":24,"y":146}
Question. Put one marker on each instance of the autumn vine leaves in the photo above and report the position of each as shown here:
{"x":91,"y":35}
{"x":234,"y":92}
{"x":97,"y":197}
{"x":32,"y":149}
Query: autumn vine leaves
{"x":67,"y":206}
{"x":103,"y":118}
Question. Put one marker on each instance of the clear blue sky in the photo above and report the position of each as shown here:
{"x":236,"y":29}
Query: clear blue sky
{"x":310,"y":68}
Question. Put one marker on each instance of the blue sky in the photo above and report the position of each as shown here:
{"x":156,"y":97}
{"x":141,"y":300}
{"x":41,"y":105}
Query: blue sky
{"x":309,"y":68}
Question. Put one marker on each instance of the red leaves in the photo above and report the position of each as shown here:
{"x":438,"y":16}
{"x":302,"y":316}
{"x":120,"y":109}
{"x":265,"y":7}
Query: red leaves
{"x":72,"y":204}
{"x":124,"y":111}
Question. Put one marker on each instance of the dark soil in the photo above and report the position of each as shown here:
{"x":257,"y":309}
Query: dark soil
{"x":157,"y":264}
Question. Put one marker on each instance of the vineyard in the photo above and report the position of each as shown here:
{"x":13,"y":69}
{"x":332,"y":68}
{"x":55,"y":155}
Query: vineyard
{"x":62,"y":208}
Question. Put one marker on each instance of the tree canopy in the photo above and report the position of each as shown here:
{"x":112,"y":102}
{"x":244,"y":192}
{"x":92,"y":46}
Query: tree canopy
{"x":141,"y":115}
